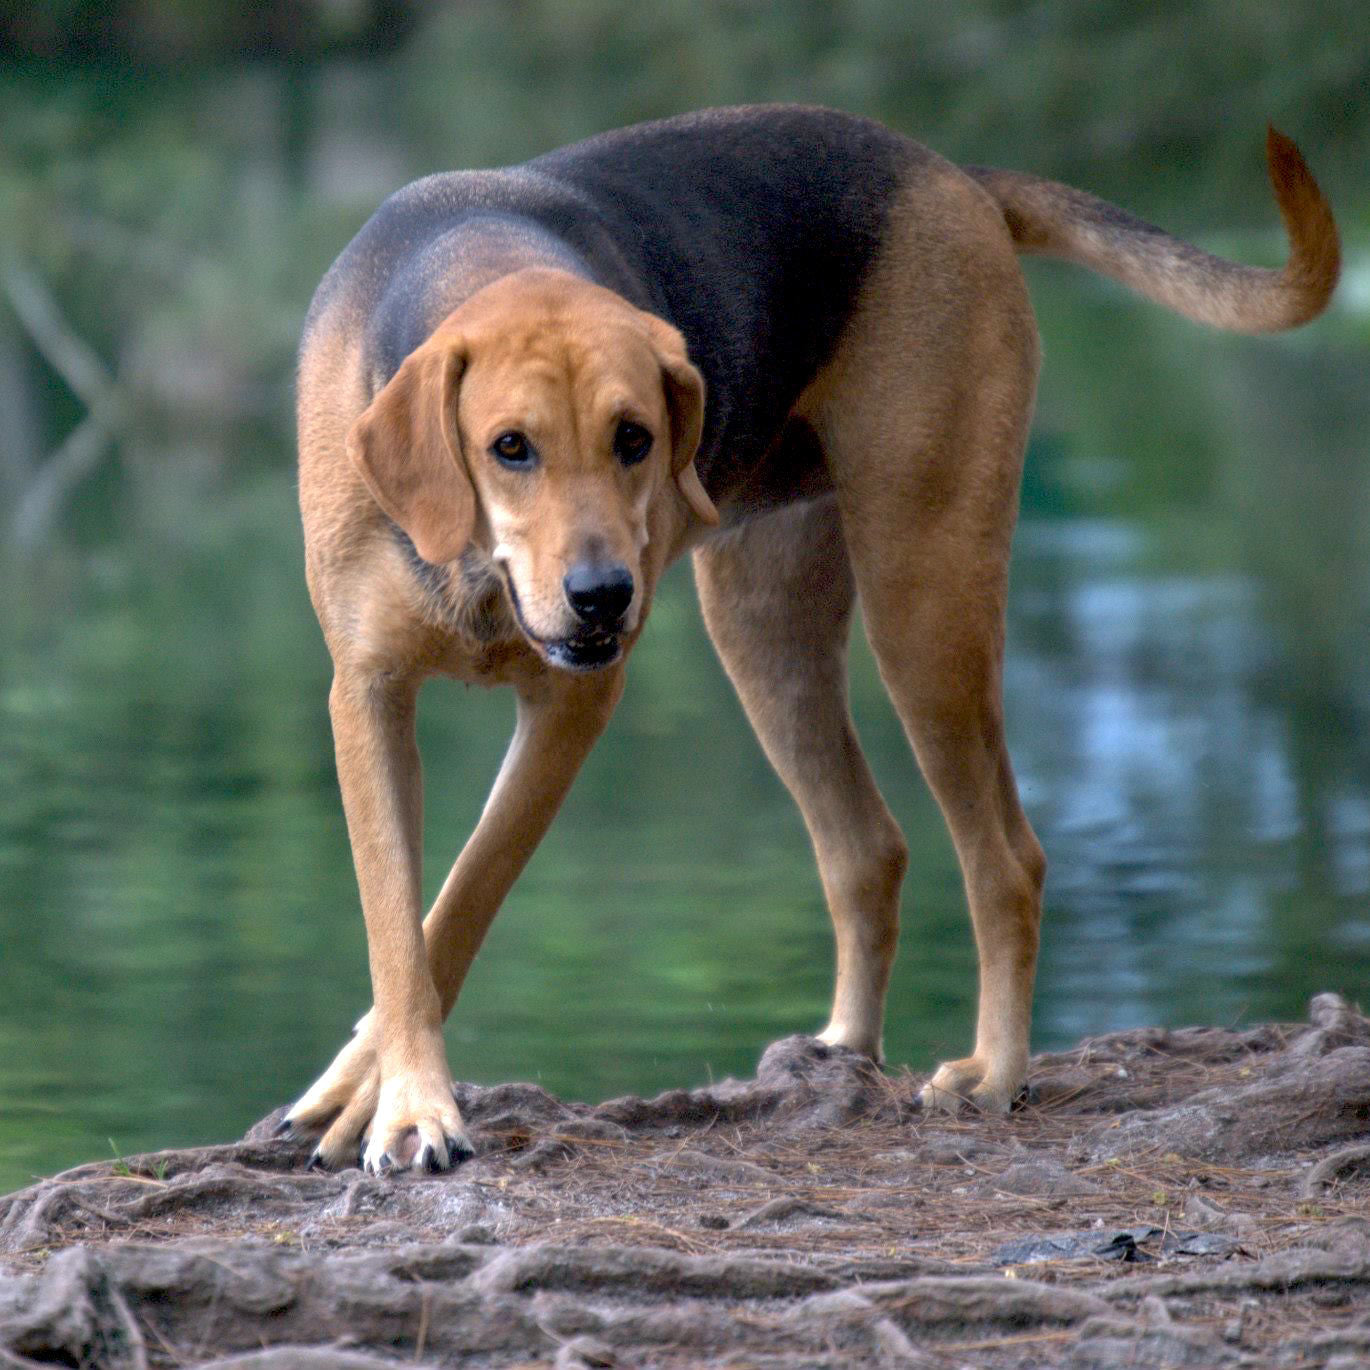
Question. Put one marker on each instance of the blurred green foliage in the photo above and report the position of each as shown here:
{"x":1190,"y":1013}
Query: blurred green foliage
{"x":179,"y":174}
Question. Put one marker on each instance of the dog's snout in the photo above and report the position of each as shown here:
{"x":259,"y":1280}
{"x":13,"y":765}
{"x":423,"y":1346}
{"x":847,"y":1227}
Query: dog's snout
{"x":599,"y":592}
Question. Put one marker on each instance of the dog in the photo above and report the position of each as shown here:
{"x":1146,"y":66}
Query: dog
{"x":788,"y":340}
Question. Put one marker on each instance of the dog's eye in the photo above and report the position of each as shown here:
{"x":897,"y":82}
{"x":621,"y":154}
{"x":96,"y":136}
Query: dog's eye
{"x":632,"y":442}
{"x":512,"y":450}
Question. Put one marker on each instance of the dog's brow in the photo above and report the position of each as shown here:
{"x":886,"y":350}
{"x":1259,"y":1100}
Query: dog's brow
{"x":619,"y":407}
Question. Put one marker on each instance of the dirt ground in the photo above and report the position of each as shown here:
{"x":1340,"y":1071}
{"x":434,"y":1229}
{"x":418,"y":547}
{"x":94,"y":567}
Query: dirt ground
{"x":1198,"y":1197}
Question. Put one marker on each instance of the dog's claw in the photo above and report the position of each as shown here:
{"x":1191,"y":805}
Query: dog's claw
{"x":459,"y":1149}
{"x":284,"y":1127}
{"x":316,"y":1161}
{"x":427,"y":1160}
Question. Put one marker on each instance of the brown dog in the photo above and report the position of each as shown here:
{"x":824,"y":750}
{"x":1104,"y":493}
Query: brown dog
{"x":504,"y":438}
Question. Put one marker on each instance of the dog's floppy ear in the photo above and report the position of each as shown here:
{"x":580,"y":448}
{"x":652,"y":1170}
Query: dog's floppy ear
{"x":685,"y":399}
{"x":408,"y":451}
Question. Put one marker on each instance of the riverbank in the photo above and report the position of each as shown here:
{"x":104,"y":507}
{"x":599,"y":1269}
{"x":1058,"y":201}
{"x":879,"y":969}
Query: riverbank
{"x":1169,"y":1198}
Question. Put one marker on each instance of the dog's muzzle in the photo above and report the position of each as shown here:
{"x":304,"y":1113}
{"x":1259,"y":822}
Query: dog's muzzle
{"x":605,"y":596}
{"x":600,"y":595}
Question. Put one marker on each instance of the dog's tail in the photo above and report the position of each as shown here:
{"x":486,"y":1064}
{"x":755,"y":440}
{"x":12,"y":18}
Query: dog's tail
{"x":1053,"y":220}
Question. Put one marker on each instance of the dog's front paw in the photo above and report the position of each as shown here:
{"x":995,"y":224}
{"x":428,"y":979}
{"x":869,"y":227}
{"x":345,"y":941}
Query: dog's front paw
{"x":338,"y":1106}
{"x":409,"y":1119}
{"x":971,"y":1081}
{"x":416,"y":1127}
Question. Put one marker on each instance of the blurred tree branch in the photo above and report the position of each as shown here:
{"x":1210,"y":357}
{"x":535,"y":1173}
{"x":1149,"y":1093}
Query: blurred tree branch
{"x":46,"y":488}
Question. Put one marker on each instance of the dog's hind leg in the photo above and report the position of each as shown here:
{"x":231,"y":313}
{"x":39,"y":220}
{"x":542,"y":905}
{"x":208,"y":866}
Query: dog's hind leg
{"x":924,"y":417}
{"x":777,"y":598}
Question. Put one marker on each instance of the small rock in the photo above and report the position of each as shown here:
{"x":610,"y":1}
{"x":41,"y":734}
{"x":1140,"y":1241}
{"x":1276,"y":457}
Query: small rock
{"x":1154,"y":1312}
{"x":584,"y":1351}
{"x":1044,"y":1178}
{"x":477,"y":1234}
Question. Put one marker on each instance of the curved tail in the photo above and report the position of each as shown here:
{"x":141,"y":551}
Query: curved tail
{"x":1053,"y":220}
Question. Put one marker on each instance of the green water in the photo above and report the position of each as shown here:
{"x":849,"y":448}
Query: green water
{"x":1187,"y":696}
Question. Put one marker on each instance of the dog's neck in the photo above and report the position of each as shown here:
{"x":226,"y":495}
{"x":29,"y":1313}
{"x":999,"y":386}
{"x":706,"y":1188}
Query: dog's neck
{"x":466,"y":598}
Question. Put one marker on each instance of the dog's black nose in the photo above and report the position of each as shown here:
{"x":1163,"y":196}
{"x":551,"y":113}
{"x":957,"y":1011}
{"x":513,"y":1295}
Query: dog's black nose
{"x":599,"y":592}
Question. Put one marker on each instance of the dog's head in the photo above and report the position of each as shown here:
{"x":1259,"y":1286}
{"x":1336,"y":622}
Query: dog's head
{"x":542,"y":420}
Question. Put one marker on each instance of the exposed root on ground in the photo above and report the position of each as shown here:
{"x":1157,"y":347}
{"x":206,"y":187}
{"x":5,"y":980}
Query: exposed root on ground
{"x":1164,"y":1198}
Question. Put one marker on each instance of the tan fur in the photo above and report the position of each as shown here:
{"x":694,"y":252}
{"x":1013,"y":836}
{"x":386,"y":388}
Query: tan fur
{"x":922,"y":412}
{"x":562,"y":360}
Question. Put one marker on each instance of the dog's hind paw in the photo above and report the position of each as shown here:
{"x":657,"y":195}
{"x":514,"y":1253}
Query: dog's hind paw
{"x":971,"y":1083}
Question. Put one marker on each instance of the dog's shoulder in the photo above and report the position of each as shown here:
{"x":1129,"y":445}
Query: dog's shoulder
{"x":425,"y":248}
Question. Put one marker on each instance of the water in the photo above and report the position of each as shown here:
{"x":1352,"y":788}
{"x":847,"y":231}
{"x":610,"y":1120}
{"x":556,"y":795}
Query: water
{"x":1187,"y":699}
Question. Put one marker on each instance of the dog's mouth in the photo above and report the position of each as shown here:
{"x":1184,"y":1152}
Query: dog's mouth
{"x":589,"y":653}
{"x":591,"y":650}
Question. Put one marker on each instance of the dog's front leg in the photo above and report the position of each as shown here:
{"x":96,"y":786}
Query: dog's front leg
{"x":415,"y":1120}
{"x":559,"y":719}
